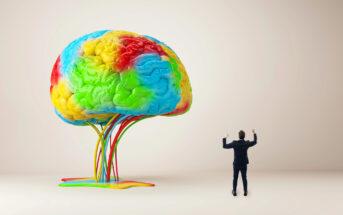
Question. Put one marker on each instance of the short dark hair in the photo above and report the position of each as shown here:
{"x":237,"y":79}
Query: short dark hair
{"x":241,"y":134}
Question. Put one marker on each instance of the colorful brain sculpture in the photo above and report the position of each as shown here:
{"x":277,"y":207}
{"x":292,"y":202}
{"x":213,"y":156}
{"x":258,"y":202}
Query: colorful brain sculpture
{"x":108,"y":72}
{"x":115,"y":79}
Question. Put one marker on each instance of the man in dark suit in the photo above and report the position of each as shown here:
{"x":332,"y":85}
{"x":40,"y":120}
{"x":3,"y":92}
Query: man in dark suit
{"x":241,"y":160}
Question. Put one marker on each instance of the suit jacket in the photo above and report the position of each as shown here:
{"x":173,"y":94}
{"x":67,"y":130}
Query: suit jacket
{"x":240,"y":148}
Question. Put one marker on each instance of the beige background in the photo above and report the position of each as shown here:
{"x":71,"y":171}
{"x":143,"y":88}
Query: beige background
{"x":275,"y":66}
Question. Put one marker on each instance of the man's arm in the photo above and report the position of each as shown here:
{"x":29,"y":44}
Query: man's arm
{"x":227,"y":145}
{"x":254,"y":142}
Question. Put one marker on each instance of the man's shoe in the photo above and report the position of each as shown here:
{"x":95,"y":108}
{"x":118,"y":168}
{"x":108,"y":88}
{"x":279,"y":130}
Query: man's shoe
{"x":234,"y":193}
{"x":245,"y":193}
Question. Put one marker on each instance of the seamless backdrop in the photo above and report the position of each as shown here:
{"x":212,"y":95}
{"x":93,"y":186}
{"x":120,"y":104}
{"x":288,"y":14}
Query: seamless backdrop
{"x":275,"y":66}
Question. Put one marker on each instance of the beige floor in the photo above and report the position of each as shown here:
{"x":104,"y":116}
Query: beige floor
{"x":270,"y":193}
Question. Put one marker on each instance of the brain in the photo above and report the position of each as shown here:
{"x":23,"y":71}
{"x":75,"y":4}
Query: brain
{"x":117,"y":72}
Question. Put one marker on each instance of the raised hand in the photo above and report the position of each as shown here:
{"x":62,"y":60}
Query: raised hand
{"x":253,"y":131}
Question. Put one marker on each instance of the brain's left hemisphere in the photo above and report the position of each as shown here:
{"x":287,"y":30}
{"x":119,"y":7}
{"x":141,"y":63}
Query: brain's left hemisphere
{"x":110,"y":72}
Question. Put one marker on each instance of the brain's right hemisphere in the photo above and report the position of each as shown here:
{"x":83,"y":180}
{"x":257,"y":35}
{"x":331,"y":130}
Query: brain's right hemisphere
{"x":108,"y":72}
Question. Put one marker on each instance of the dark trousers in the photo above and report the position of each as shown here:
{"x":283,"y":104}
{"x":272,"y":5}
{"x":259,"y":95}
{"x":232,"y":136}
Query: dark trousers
{"x":243,"y":170}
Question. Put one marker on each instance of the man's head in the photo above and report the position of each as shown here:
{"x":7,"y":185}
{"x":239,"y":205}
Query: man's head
{"x":241,"y":134}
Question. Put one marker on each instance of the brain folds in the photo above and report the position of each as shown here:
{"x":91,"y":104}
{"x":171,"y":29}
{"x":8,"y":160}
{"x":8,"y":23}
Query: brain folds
{"x":109,"y":72}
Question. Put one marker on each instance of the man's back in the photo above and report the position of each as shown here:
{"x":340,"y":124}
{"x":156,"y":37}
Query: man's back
{"x":240,"y":148}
